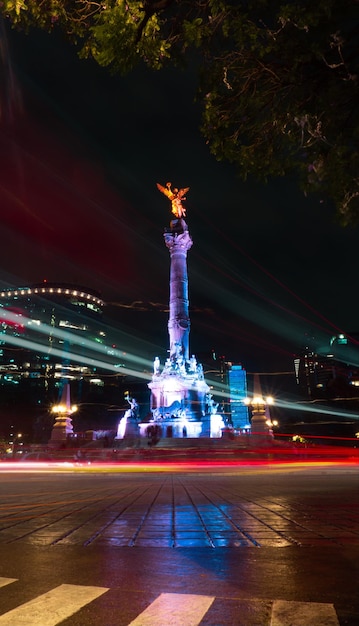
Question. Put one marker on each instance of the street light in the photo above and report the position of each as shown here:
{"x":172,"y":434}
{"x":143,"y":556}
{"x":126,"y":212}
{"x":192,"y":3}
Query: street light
{"x":63,"y":422}
{"x":261,"y":422}
{"x":61,"y":409}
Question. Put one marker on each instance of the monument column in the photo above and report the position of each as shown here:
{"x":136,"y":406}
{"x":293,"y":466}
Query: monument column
{"x":178,"y":241}
{"x":179,"y":392}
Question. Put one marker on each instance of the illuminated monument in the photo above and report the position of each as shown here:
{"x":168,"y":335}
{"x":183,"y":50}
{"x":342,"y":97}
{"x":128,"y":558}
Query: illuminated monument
{"x":181,"y":403}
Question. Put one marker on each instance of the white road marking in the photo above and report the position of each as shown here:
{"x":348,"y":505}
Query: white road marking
{"x":174,"y":609}
{"x":52,"y":607}
{"x":303,"y":613}
{"x":7,"y":581}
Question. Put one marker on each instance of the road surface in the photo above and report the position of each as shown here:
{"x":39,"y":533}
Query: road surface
{"x":260,"y":545}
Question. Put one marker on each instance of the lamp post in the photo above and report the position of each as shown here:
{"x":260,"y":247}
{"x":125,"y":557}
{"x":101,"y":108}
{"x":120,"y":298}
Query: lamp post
{"x":261,"y":423}
{"x":63,"y":421}
{"x":272,"y":424}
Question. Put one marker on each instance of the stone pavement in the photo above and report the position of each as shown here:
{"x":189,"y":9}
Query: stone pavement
{"x":204,"y":545}
{"x":183,"y":509}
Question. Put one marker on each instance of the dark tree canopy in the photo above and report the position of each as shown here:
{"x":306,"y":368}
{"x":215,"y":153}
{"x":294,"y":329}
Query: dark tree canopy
{"x":278,"y":80}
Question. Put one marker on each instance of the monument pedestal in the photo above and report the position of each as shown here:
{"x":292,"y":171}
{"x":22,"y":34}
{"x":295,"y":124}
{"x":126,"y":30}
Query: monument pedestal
{"x":260,"y":431}
{"x":61,"y":429}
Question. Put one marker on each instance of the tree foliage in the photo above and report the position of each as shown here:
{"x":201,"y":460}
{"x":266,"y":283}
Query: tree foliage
{"x":278,"y":79}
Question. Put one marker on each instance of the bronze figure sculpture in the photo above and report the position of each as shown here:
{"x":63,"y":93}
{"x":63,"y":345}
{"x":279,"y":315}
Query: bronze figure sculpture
{"x":177,"y":196}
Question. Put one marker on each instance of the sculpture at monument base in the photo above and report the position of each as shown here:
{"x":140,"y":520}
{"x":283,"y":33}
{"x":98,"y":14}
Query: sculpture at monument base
{"x":128,"y":424}
{"x":181,"y":402}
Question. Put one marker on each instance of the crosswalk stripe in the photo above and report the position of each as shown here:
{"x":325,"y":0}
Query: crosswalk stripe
{"x":52,"y":607}
{"x":286,"y":613}
{"x":171,"y":609}
{"x":7,"y":581}
{"x":174,"y":609}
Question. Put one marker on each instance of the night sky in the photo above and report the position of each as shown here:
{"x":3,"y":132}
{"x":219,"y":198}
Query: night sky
{"x":81,"y":152}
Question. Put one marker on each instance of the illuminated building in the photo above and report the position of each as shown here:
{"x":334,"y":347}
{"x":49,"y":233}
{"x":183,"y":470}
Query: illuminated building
{"x":47,"y":315}
{"x":48,"y":336}
{"x":237,"y":383}
{"x":329,"y":369}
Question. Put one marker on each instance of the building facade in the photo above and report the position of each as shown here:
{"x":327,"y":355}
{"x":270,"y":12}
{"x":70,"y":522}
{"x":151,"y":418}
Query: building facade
{"x":52,"y":333}
{"x":329,"y":369}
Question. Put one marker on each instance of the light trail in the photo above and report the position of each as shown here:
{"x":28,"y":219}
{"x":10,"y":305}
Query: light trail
{"x":220,"y":390}
{"x":252,"y":287}
{"x":80,"y":358}
{"x":288,"y":459}
{"x":82,"y":342}
{"x":73,"y":339}
{"x":65,"y":335}
{"x":310,"y":408}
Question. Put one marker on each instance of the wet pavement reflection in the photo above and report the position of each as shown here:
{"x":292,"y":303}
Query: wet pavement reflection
{"x":181,"y":510}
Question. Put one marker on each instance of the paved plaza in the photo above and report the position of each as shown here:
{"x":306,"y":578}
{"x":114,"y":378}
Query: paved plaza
{"x":142,"y":508}
{"x":147,"y":545}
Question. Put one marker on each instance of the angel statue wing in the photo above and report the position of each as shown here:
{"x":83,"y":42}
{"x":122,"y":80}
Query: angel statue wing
{"x":182,"y":192}
{"x":166,"y":190}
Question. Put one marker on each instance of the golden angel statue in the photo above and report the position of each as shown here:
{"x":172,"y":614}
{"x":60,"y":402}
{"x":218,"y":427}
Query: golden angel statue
{"x":176,"y":196}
